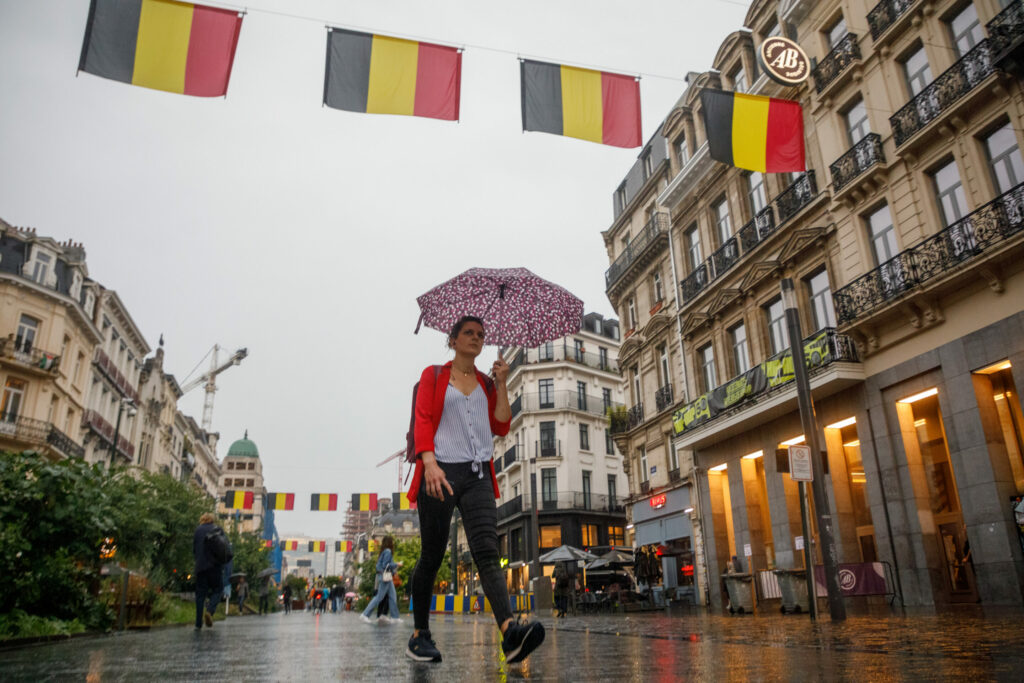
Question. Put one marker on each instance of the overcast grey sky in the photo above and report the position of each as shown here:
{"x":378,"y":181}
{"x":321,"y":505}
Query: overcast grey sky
{"x":304,"y":233}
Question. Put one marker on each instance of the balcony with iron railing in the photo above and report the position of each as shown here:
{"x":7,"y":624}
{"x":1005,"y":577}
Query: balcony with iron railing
{"x":107,"y":366}
{"x":510,"y":458}
{"x":99,"y":425}
{"x":835,"y":64}
{"x":673,"y":475}
{"x":1006,"y":37}
{"x":855,"y":162}
{"x":663,"y":397}
{"x":640,"y":250}
{"x":547,"y":448}
{"x":757,"y":229}
{"x":887,"y":14}
{"x":968,"y":241}
{"x":28,"y":356}
{"x":34,"y":433}
{"x":563,"y":352}
{"x":579,"y":501}
{"x":511,"y":507}
{"x":798,"y":195}
{"x":636,"y":415}
{"x":561,"y":400}
{"x":945,"y":95}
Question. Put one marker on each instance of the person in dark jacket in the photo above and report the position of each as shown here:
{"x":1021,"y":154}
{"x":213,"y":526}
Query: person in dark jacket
{"x":207,"y":572}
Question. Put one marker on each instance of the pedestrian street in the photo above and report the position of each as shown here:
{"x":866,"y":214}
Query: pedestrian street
{"x":636,"y":647}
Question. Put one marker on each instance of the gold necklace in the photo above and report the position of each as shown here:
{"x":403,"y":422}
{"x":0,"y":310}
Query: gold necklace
{"x":467,"y":373}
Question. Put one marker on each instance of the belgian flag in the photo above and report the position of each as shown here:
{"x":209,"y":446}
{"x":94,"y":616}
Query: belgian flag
{"x":289,"y":545}
{"x":364,"y":502}
{"x":238,"y":500}
{"x":323,"y":502}
{"x":269,"y":543}
{"x":372,"y":546}
{"x":281,"y":501}
{"x":755,"y":133}
{"x":400,"y":501}
{"x":343,"y":546}
{"x":318,"y":546}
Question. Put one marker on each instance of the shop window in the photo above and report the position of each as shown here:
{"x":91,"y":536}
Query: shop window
{"x":841,"y":437}
{"x":616,"y":535}
{"x":1000,"y":407}
{"x":588,"y":535}
{"x":550,"y":536}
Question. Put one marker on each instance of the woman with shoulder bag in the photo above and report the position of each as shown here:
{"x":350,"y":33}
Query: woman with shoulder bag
{"x":386,"y":569}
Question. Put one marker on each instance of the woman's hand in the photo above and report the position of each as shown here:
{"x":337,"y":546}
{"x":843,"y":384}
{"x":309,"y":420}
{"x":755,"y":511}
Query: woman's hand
{"x":433,"y":477}
{"x":500,"y":370}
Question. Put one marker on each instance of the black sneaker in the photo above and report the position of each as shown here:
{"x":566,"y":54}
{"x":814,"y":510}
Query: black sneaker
{"x":521,"y":638}
{"x":422,"y":649}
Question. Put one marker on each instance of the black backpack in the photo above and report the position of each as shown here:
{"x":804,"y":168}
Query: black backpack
{"x":218,"y":545}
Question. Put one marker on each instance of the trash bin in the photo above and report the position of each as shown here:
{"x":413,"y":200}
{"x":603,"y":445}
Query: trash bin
{"x":741,"y":597}
{"x":658,"y":596}
{"x":793,"y":586}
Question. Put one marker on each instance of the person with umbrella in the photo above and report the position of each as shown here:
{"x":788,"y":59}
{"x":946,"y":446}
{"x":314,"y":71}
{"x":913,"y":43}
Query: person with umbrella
{"x":457,"y":410}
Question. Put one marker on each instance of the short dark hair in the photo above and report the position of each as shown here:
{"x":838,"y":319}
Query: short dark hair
{"x":460,"y":323}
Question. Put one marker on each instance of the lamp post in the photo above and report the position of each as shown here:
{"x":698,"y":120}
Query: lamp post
{"x":810,"y":424}
{"x":122,"y":404}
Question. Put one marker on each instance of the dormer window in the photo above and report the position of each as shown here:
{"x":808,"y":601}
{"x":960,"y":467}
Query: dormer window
{"x":648,"y":164}
{"x":620,"y":198}
{"x":42,"y":267}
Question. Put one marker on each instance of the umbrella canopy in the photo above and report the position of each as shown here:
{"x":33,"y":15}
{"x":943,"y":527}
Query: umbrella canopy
{"x":517,"y":307}
{"x":237,"y":575}
{"x":566,"y":553}
{"x":269,"y":571}
{"x":612,"y":557}
{"x":350,"y":594}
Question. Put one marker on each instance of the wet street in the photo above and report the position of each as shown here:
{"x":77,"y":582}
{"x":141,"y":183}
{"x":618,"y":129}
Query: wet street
{"x":635,"y":647}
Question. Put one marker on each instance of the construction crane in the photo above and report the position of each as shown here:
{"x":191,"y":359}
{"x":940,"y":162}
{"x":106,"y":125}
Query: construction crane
{"x":400,"y":456}
{"x":210,"y":379}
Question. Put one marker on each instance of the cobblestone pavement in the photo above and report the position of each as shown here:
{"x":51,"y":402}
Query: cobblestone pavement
{"x":636,"y":647}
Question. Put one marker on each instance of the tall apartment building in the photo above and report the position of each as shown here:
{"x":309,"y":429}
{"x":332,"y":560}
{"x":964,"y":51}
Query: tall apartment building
{"x":559,"y":452}
{"x":904,"y":238}
{"x":47,"y":337}
{"x":114,"y":381}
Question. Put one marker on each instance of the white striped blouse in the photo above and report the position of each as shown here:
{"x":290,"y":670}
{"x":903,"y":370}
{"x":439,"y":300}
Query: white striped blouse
{"x":464,"y":434}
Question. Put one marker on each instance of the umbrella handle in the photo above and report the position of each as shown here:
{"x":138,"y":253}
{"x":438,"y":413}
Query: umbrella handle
{"x":418,"y":323}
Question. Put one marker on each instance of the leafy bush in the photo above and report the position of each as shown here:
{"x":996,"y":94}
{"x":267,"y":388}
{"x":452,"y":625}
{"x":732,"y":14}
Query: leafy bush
{"x":18,"y":624}
{"x":407,"y":552}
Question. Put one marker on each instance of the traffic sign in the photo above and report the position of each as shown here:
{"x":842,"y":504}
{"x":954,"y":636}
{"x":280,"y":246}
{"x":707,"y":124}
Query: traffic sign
{"x":800,"y":463}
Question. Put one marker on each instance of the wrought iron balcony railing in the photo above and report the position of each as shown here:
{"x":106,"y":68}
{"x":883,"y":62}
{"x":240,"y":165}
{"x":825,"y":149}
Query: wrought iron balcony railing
{"x":547,"y":448}
{"x":1006,"y":29}
{"x":933,"y":256}
{"x":845,"y":53}
{"x":856,"y":160}
{"x":38,"y":433}
{"x":663,"y":397}
{"x":799,"y":194}
{"x":673,"y":475}
{"x":884,"y":14}
{"x":563,"y":351}
{"x":512,"y":507}
{"x":96,"y":422}
{"x":645,"y":486}
{"x":516,"y":405}
{"x":561,"y":400}
{"x":102,"y":361}
{"x":636,"y":415}
{"x":618,"y":421}
{"x":726,"y":256}
{"x":510,"y":457}
{"x":696,"y":281}
{"x":758,"y":229}
{"x":656,"y":227}
{"x":716,"y":265}
{"x":942,"y":93}
{"x":564,"y":500}
{"x":25,"y":353}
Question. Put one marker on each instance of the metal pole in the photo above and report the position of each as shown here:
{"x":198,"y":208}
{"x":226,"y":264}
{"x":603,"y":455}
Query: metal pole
{"x":117,"y":432}
{"x":455,"y":557}
{"x":123,"y":613}
{"x":810,"y":424}
{"x":805,"y":523}
{"x":535,"y":569}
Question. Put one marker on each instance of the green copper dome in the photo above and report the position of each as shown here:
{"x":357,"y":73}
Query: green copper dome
{"x":243,"y":448}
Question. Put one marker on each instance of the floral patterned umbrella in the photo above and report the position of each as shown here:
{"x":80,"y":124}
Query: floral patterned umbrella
{"x":517,"y":307}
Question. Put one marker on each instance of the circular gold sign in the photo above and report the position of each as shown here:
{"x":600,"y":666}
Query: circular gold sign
{"x":784,"y":61}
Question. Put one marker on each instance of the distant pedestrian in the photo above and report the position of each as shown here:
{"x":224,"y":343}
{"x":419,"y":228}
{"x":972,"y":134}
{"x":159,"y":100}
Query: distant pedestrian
{"x":264,"y":593}
{"x":211,"y":551}
{"x":561,"y":589}
{"x":243,"y":591}
{"x":286,"y":595}
{"x":457,"y":411}
{"x":386,"y":568}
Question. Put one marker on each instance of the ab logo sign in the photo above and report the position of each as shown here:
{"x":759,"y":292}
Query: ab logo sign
{"x":784,"y":61}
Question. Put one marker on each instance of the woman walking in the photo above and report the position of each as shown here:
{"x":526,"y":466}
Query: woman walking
{"x":386,"y":569}
{"x":458,"y":408}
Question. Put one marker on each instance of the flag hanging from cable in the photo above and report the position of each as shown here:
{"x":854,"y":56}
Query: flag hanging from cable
{"x":269,"y":543}
{"x":281,"y":501}
{"x":580,"y":103}
{"x":752,"y":132}
{"x":323,"y":502}
{"x":384,"y":75}
{"x":372,"y":546}
{"x":400,"y":501}
{"x":317,"y":546}
{"x":289,"y":545}
{"x":161,"y":44}
{"x":238,"y":500}
{"x":364,"y":502}
{"x":343,"y":546}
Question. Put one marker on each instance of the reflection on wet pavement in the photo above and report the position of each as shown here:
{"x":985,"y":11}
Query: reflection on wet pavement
{"x":635,"y":647}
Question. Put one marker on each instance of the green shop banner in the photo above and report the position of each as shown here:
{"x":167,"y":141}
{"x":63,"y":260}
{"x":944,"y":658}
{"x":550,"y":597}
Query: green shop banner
{"x":774,"y":372}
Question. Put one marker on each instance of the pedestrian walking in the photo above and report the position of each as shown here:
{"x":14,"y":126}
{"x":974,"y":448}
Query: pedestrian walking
{"x":561,"y":589}
{"x":286,"y":595}
{"x":243,"y":593}
{"x":386,"y":568}
{"x":264,"y":593}
{"x":457,"y":411}
{"x":211,"y":550}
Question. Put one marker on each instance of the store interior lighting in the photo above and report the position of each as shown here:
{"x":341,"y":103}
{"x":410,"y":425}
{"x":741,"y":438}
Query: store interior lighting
{"x":842,"y":423}
{"x":917,"y":397}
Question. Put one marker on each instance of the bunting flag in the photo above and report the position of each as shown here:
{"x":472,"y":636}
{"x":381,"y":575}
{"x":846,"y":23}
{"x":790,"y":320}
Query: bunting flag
{"x":400,"y":501}
{"x":269,"y":543}
{"x":755,"y":133}
{"x":383,"y":75}
{"x":281,"y":501}
{"x":364,"y":502}
{"x":324,"y":502}
{"x":372,"y":545}
{"x":238,"y":500}
{"x":289,"y":545}
{"x":317,"y":546}
{"x":174,"y":46}
{"x":580,"y":103}
{"x":343,"y":546}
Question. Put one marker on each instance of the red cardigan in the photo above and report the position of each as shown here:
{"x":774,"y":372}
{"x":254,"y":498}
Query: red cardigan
{"x":430,"y":405}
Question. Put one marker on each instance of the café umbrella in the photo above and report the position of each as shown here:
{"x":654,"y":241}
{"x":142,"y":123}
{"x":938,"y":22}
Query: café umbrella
{"x":517,"y":307}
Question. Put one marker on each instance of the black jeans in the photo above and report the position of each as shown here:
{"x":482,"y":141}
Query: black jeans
{"x":208,"y":584}
{"x":264,"y":603}
{"x":474,"y":497}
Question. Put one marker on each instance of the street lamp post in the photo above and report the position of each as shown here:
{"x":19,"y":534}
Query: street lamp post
{"x":810,"y":424}
{"x":122,"y":404}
